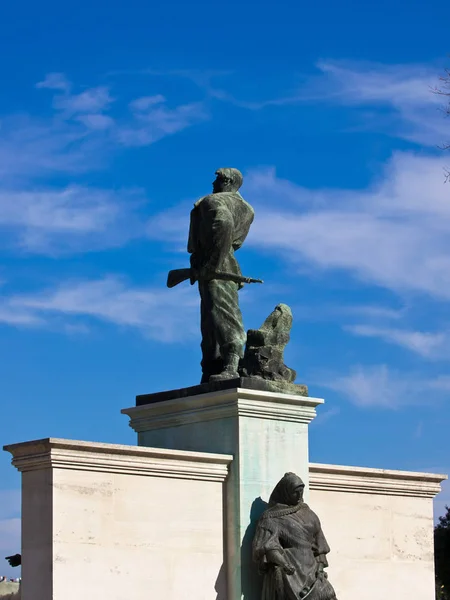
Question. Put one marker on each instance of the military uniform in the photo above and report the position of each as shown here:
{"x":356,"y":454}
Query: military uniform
{"x":219,"y":225}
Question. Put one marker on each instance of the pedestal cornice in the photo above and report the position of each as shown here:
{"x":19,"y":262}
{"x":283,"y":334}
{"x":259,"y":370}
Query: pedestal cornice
{"x":236,"y":402}
{"x":91,"y":456}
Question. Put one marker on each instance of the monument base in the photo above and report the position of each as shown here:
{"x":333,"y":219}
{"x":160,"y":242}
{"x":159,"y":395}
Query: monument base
{"x":265,"y":431}
{"x":116,"y":522}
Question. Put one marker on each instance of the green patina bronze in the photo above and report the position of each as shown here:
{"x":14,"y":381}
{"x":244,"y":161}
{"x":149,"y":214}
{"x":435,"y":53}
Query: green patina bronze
{"x":219,"y":225}
{"x":264,"y":352}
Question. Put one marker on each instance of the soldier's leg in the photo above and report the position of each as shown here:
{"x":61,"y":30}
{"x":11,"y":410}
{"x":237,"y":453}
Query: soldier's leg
{"x":212,"y":362}
{"x":228,"y":326}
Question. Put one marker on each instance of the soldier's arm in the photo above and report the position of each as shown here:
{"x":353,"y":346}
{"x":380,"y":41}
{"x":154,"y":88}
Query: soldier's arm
{"x":192,"y":232}
{"x":244,"y":232}
{"x":278,"y":558}
{"x":218,"y":223}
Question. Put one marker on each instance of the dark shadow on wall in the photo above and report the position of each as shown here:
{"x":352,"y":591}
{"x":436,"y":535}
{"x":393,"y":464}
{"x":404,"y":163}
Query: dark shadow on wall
{"x":251,"y":579}
{"x":221,"y":584}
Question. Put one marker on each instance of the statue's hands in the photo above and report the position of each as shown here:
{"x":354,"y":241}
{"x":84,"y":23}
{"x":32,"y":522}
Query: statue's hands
{"x":288,"y":569}
{"x":194,"y":269}
{"x":199,"y":271}
{"x":206,"y":272}
{"x":277,"y":558}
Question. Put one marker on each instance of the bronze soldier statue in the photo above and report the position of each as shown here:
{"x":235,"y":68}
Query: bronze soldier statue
{"x":220,"y":223}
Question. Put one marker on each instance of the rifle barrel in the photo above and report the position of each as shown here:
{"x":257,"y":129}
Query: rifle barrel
{"x":176,"y":276}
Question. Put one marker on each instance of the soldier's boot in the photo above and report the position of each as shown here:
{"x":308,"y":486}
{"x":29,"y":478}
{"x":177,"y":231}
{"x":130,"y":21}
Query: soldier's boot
{"x":230,"y":371}
{"x":211,"y":367}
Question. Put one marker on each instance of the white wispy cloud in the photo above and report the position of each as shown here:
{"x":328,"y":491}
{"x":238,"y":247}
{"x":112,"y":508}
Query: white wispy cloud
{"x":82,"y":133}
{"x":364,"y":82}
{"x":96,"y":122}
{"x":11,"y":315}
{"x":371,"y":311}
{"x":403,"y":89}
{"x":55,"y":81}
{"x":158,"y":313}
{"x":79,"y":136}
{"x":33,"y":148}
{"x":154,"y":120}
{"x":370,"y":387}
{"x":92,"y":100}
{"x":343,"y":313}
{"x":378,"y":386}
{"x":146,"y":102}
{"x":423,"y":343}
{"x":171,"y":226}
{"x":395,"y":99}
{"x":442,"y":382}
{"x":67,"y":220}
{"x":394,"y":234}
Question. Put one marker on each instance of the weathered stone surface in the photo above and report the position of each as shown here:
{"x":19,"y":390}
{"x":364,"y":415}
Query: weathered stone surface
{"x":379,"y":524}
{"x":264,"y":352}
{"x":120,"y":522}
{"x":249,"y":383}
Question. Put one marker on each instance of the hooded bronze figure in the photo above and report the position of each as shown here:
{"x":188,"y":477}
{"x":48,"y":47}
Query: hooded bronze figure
{"x":290,"y":547}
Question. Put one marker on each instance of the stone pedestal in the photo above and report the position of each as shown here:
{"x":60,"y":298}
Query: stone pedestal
{"x":120,"y":522}
{"x":267,"y":434}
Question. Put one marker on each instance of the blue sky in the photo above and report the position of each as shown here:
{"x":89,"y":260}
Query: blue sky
{"x":113,"y":119}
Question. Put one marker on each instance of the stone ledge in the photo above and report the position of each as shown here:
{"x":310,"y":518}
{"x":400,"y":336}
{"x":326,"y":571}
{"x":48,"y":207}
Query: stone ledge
{"x":247,"y":383}
{"x":235,"y":402}
{"x":134,"y":460}
{"x":362,"y":480}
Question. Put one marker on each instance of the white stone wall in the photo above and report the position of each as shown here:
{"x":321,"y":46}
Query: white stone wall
{"x":132,"y":523}
{"x":379,"y":525}
{"x":120,"y":522}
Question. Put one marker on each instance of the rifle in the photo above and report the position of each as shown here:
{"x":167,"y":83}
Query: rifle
{"x":179,"y":275}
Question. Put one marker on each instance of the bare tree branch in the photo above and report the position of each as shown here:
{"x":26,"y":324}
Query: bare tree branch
{"x":444,"y":90}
